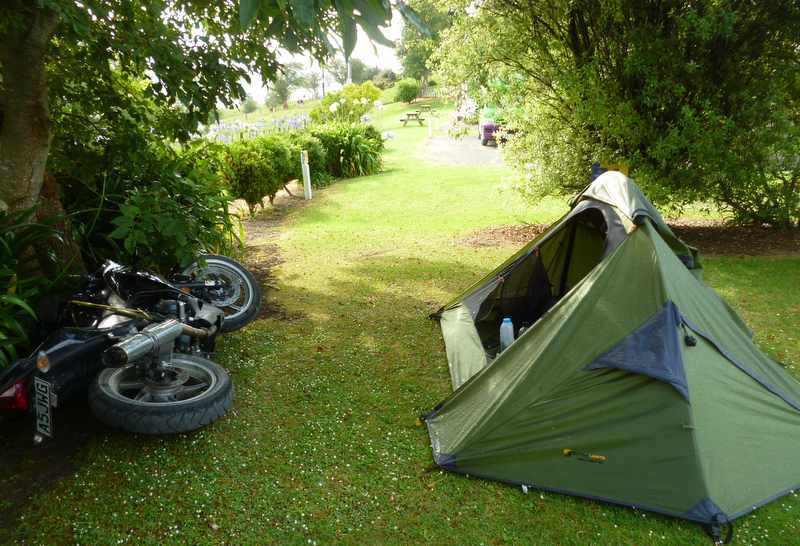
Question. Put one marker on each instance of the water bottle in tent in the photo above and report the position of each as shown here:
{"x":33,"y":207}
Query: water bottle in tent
{"x":506,"y":333}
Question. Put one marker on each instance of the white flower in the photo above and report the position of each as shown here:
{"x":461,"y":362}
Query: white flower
{"x":378,"y":104}
{"x":365,"y":118}
{"x":333,"y":107}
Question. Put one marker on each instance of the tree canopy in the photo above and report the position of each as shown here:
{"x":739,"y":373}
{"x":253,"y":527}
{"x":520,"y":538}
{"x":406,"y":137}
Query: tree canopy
{"x":700,"y":99}
{"x":194,"y":54}
{"x":359,"y":71}
{"x":417,"y":45}
{"x":289,"y":78}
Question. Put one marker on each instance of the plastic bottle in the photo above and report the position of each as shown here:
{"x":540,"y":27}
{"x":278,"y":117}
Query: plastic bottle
{"x":506,"y":333}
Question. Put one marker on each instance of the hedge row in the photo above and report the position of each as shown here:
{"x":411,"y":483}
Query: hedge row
{"x":260,"y":167}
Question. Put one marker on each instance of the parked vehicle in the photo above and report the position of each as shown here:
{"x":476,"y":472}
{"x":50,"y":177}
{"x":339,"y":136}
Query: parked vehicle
{"x":140,"y":345}
{"x":488,"y":124}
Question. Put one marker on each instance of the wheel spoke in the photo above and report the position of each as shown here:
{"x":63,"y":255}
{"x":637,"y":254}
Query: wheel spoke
{"x":187,"y":391}
{"x":142,"y":395}
{"x":133,"y":385}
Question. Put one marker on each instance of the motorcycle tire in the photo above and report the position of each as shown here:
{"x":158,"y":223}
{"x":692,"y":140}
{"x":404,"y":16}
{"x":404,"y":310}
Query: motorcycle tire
{"x":243,"y":284}
{"x":121,"y":400}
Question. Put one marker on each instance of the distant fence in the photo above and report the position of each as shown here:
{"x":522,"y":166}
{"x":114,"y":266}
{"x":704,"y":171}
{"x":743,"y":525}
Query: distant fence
{"x":430,"y":92}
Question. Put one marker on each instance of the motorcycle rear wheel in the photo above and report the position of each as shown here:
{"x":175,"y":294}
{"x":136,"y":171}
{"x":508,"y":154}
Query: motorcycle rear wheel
{"x":200,"y":393}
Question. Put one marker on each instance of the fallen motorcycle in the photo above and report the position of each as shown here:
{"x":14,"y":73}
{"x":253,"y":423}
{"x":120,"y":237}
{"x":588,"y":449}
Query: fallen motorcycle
{"x":139,"y":345}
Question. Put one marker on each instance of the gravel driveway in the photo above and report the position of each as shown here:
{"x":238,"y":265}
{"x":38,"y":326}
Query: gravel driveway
{"x":467,"y":150}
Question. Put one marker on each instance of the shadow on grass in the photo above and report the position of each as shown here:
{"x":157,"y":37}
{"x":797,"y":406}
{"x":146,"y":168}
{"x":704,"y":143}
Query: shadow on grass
{"x":395,"y":367}
{"x":28,"y":469}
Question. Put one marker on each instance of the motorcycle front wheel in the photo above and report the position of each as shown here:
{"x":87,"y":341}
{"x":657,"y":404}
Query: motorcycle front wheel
{"x":195,"y":393}
{"x":240,"y":296}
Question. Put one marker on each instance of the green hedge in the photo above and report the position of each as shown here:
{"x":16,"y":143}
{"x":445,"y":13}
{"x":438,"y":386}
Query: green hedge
{"x":317,"y":158}
{"x":260,"y":167}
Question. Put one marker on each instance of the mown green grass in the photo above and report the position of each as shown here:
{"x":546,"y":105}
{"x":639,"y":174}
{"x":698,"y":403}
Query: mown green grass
{"x":263,"y":113}
{"x":322,"y":445}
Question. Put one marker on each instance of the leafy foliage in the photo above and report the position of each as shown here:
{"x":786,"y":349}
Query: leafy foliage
{"x":407,"y":90}
{"x":193,"y":55}
{"x":317,"y":157}
{"x":20,"y":285}
{"x":120,"y":177}
{"x":716,"y":118}
{"x":180,"y":214}
{"x":352,"y":149}
{"x":258,"y":168}
{"x":346,"y":105}
{"x":384,"y":79}
{"x":289,"y":79}
{"x":247,"y":173}
{"x":249,"y":105}
{"x":417,"y":45}
{"x":360,"y":72}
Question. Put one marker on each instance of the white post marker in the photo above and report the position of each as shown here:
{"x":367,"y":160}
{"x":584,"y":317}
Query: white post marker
{"x":306,"y":174}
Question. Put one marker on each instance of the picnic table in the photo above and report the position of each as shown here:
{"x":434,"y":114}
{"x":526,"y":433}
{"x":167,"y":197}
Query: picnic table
{"x":427,"y":109}
{"x":413,"y":116}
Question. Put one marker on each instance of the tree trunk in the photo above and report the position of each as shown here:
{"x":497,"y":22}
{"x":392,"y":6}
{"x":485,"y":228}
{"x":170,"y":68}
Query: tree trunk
{"x":25,"y":129}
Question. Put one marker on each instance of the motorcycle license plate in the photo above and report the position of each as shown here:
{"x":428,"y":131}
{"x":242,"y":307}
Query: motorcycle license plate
{"x":42,"y":397}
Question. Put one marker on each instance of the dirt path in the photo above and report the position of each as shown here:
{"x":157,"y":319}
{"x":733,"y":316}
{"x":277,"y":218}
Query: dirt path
{"x":711,"y":237}
{"x":262,"y":252}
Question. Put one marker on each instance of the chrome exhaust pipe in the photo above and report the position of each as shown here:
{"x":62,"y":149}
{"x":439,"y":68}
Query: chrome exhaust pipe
{"x":152,"y":340}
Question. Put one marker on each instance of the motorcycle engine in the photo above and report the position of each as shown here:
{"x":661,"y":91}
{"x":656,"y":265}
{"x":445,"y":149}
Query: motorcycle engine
{"x":167,"y":307}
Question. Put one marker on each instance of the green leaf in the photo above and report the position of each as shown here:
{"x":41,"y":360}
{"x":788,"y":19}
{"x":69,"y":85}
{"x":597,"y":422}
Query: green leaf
{"x":374,"y":33}
{"x":15,"y":300}
{"x":413,"y":17}
{"x":303,"y":11}
{"x":247,"y":11}
{"x":347,"y":26}
{"x":120,"y":232}
{"x":374,"y":11}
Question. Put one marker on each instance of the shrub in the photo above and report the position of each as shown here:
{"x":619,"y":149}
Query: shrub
{"x":119,"y":152}
{"x":258,"y":168}
{"x":352,"y":149}
{"x":277,"y":151}
{"x":407,"y":90}
{"x":384,"y":79}
{"x":20,"y":285}
{"x":346,"y":105}
{"x":317,"y":158}
{"x":180,"y":214}
{"x":250,"y":105}
{"x":247,"y":173}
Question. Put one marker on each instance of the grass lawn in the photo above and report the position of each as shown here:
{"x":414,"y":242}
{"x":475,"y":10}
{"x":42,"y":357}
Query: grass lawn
{"x":322,"y":446}
{"x":264,"y":114}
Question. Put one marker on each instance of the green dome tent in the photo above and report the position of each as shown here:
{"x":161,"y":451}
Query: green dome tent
{"x":633,"y":383}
